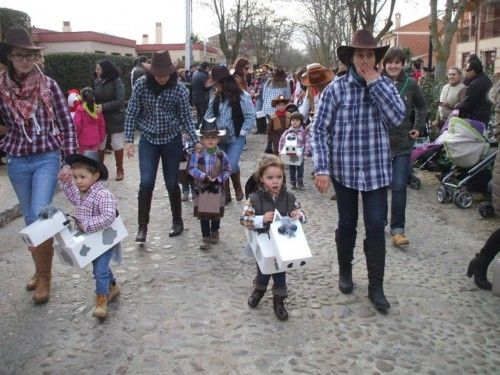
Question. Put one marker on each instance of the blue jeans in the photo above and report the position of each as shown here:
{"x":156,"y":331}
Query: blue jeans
{"x":296,"y":172}
{"x":34,"y":179}
{"x":233,"y":151}
{"x":209,"y":226}
{"x":374,"y":212}
{"x":102,"y":273}
{"x":149,"y":159}
{"x":400,"y":170}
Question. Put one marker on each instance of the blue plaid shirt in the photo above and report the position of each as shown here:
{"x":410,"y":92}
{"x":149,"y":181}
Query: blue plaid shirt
{"x":350,"y":138}
{"x":270,"y":93}
{"x":225,"y":119}
{"x":160,"y":118}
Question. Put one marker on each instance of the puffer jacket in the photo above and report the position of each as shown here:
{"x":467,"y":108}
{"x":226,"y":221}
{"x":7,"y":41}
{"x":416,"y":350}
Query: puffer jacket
{"x":495,"y":98}
{"x":416,"y":110}
{"x":112,"y":97}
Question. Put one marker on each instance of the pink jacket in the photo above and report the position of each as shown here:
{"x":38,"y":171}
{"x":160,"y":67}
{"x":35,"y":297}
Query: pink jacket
{"x":90,"y":131}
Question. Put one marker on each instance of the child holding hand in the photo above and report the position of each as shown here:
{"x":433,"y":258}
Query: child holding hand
{"x":89,"y":122}
{"x":258,"y":215}
{"x":95,"y":211}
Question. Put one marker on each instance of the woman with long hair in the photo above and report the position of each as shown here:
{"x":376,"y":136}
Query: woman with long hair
{"x":39,"y":128}
{"x":235,"y":113}
{"x":110,"y":95}
{"x":241,"y":69}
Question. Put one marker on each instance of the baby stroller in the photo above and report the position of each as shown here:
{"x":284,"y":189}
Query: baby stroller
{"x":472,"y":156}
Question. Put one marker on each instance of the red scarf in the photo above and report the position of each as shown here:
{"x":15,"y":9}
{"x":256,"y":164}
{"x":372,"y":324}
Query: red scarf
{"x":281,"y":113}
{"x":23,"y":100}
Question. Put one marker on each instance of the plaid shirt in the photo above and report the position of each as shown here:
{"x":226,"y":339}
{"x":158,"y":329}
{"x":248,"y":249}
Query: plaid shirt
{"x":160,"y":118}
{"x":301,"y":139}
{"x":209,"y":163}
{"x":350,"y":138}
{"x":95,"y":209}
{"x":225,"y":119}
{"x":45,"y":135}
{"x":270,"y":93}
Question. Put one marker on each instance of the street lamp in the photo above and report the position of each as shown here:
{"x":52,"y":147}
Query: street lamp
{"x":187,"y":51}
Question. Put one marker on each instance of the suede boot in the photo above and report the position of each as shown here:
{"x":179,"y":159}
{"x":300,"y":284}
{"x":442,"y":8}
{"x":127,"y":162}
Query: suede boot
{"x":238,"y":191}
{"x":119,"y":165}
{"x":31,"y":285}
{"x":42,"y":256}
{"x":345,"y":251}
{"x":144,"y":207}
{"x":101,"y":306}
{"x":227,"y":191}
{"x":279,"y":307}
{"x":256,"y":296}
{"x":375,"y":263}
{"x":114,"y":292}
{"x":174,"y":196}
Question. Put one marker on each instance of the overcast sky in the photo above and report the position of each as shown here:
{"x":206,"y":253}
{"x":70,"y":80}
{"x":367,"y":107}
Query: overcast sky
{"x":132,"y":19}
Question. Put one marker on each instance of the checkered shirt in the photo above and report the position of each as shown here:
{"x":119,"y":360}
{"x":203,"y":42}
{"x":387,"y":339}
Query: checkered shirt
{"x":350,"y":138}
{"x":95,"y":209}
{"x":160,"y":118}
{"x":209,"y":163}
{"x":270,"y":93}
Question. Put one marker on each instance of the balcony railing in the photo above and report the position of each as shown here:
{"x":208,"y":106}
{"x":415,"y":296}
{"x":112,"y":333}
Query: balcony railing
{"x":490,"y":29}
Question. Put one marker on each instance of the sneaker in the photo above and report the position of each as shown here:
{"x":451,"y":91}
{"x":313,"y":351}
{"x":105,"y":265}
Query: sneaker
{"x":205,"y":244}
{"x":400,"y":240}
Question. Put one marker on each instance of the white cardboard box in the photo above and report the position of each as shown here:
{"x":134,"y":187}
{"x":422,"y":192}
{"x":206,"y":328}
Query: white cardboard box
{"x":264,"y":252}
{"x":43,"y":229}
{"x":291,"y":153}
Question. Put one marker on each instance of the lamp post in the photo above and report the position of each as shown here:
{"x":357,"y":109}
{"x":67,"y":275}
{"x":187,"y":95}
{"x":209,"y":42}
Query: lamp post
{"x":187,"y":51}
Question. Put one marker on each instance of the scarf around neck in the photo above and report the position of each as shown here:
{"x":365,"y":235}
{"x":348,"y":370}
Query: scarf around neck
{"x":23,"y":98}
{"x":86,"y":108}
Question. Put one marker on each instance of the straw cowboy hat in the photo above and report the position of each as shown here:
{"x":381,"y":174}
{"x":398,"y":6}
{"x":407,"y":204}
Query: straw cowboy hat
{"x":361,"y":39}
{"x":210,"y":127}
{"x":89,"y":158}
{"x":217,"y":74}
{"x":17,"y":38}
{"x":316,"y":74}
{"x":279,"y":99}
{"x":161,"y":64}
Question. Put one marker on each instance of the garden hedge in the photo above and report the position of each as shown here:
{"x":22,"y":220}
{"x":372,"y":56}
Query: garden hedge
{"x":76,"y":70}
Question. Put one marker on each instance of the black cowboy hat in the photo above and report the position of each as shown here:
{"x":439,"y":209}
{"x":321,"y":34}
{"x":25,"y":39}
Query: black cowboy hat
{"x":210,"y":127}
{"x":89,"y":158}
{"x":217,"y":74}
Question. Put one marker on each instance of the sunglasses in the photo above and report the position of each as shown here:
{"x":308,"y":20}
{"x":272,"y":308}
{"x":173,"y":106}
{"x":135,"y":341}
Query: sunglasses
{"x":19,"y":57}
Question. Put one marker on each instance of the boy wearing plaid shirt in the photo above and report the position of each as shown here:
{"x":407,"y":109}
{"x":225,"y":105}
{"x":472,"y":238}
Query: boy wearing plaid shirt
{"x":95,"y":211}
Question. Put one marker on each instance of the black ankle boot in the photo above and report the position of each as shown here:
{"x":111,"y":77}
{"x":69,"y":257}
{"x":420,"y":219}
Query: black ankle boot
{"x":177,"y":228}
{"x":346,"y":284}
{"x":279,"y":307}
{"x":477,"y":269}
{"x":377,"y":297}
{"x":255,"y":297}
{"x":141,"y":233}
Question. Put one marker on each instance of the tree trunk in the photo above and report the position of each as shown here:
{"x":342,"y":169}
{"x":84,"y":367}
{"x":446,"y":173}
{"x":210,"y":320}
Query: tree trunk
{"x":440,"y":72}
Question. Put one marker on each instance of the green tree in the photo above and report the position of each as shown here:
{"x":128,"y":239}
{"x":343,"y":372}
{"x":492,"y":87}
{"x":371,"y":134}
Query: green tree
{"x":11,"y":18}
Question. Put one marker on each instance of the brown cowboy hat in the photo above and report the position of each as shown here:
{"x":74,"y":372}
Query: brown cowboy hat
{"x":279,"y":99}
{"x":161,"y":64}
{"x":217,"y":74}
{"x":361,"y":39}
{"x":20,"y":38}
{"x":316,"y":74}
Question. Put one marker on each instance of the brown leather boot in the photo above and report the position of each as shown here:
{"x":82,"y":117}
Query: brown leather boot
{"x":238,"y":191}
{"x":119,"y":165}
{"x":227,"y":191}
{"x":31,"y":285}
{"x":101,"y":306}
{"x":42,"y":255}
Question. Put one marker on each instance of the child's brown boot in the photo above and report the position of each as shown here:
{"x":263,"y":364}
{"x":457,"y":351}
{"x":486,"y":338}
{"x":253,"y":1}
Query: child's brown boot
{"x":205,"y":244}
{"x":101,"y":306}
{"x":214,"y":238}
{"x":114,"y":292}
{"x":279,"y":307}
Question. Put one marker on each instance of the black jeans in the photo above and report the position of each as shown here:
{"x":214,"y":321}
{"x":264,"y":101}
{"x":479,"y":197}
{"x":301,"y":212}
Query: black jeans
{"x":491,"y":248}
{"x":209,"y":226}
{"x":296,"y":172}
{"x":279,"y":279}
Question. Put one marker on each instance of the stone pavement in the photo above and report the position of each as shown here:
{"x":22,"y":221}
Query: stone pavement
{"x":183,"y":311}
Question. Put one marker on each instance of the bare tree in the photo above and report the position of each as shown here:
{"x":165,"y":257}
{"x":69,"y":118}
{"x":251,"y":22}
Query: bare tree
{"x":442,"y":36}
{"x":363,"y":15}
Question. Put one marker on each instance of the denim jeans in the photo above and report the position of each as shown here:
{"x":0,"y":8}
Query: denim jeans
{"x":279,"y":279}
{"x":102,"y":273}
{"x":400,"y":170}
{"x":34,"y":179}
{"x":374,"y":212}
{"x":296,"y":172}
{"x":233,"y":151}
{"x":149,"y":159}
{"x":209,"y":226}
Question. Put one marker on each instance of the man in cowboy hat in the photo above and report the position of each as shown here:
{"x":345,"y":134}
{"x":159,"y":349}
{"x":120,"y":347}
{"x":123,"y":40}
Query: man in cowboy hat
{"x":351,"y":149}
{"x":210,"y":169}
{"x":161,"y":136}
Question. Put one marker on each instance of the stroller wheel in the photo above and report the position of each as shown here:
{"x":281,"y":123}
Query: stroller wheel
{"x":486,"y":210}
{"x":415,"y":183}
{"x":444,"y":194}
{"x":463,"y":199}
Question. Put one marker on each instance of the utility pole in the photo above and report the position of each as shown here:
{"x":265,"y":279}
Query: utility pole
{"x":187,"y":52}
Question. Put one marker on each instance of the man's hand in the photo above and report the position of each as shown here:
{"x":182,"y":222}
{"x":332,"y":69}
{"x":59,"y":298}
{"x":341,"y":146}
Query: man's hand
{"x":129,"y":149}
{"x":322,"y":183}
{"x":368,"y":73}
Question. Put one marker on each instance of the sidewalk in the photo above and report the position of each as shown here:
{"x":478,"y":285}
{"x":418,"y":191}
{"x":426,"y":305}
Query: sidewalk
{"x":9,"y":205}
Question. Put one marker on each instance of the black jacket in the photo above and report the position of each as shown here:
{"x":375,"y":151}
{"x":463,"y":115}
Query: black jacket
{"x":200,"y":92}
{"x":475,"y":105}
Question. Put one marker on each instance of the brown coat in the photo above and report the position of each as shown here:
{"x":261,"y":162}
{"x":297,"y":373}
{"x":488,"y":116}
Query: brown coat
{"x":276,"y":128}
{"x":495,"y":98}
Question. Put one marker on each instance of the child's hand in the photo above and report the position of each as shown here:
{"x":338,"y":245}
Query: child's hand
{"x":98,"y":108}
{"x":65,"y":174}
{"x":295,"y":214}
{"x":268,"y":217}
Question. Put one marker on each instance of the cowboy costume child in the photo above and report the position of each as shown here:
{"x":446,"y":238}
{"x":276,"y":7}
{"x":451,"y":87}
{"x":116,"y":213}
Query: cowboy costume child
{"x":211,"y":169}
{"x":279,"y":121}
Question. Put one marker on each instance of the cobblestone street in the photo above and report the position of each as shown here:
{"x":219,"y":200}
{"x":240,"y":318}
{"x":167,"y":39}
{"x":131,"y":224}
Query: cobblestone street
{"x":183,"y":311}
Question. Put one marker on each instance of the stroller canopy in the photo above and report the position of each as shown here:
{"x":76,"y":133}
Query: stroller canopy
{"x":465,"y":144}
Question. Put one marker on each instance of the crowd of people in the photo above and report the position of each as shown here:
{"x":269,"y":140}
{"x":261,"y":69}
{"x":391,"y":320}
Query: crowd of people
{"x":358,"y":123}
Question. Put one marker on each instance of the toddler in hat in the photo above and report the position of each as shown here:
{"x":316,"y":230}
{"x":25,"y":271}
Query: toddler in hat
{"x":95,"y":211}
{"x":89,"y":122}
{"x":279,"y":121}
{"x":210,"y":168}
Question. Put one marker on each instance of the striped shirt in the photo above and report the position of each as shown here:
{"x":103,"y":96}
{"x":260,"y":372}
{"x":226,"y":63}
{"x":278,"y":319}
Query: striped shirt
{"x":225,"y":119}
{"x":40,"y":134}
{"x":270,"y":93}
{"x":160,"y":118}
{"x":95,"y":209}
{"x":350,"y":138}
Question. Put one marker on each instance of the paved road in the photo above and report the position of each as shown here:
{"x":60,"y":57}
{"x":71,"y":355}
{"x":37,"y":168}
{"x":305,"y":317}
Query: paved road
{"x":184,"y":312}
